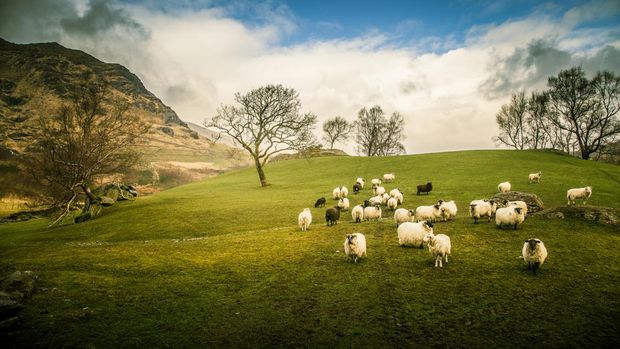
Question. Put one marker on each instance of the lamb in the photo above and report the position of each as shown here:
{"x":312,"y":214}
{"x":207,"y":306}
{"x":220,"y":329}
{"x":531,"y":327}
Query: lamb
{"x":372,"y":212}
{"x":448,"y":209}
{"x":320,"y":202}
{"x":577,"y":193}
{"x":378,"y":190}
{"x":344,"y":192}
{"x":403,"y":215}
{"x":439,"y":246}
{"x":395,"y":191}
{"x":425,"y":188}
{"x":482,"y":208}
{"x":375,"y":181}
{"x":343,"y":204}
{"x":427,"y":213}
{"x":412,"y":234}
{"x":511,"y":215}
{"x":389,"y":177}
{"x":358,"y":213}
{"x":534,"y":253}
{"x":534,"y":177}
{"x":355,"y":246}
{"x":336,"y":193}
{"x":360,"y":180}
{"x":304,"y":219}
{"x":392,"y":203}
{"x":332,"y":215}
{"x":357,"y":187}
{"x":504,"y":187}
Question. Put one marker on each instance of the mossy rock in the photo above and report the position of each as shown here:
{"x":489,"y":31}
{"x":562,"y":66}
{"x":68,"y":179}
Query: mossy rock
{"x":604,"y":215}
{"x":534,"y":203}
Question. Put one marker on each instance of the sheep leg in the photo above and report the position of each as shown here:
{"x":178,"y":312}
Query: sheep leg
{"x":515,"y":226}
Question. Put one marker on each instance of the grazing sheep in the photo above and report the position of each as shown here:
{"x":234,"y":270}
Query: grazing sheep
{"x":388,"y":177}
{"x":332,"y":215}
{"x":534,"y":253}
{"x":511,"y":215}
{"x":336,"y":193}
{"x":577,"y":193}
{"x":357,"y":187}
{"x":344,"y":192}
{"x":399,"y":198}
{"x":482,"y":208}
{"x":427,"y":213}
{"x":534,"y":177}
{"x":425,"y":188}
{"x":412,"y":234}
{"x":385,"y":198}
{"x":355,"y":246}
{"x":375,"y":200}
{"x":375,"y":181}
{"x":392,"y":203}
{"x":304,"y":219}
{"x":320,"y":202}
{"x":378,"y":190}
{"x":395,"y":191}
{"x":372,"y":212}
{"x":439,"y":246}
{"x":343,"y":204}
{"x":403,"y":215}
{"x":360,"y":180}
{"x":504,"y":187}
{"x":358,"y":213}
{"x":448,"y":209}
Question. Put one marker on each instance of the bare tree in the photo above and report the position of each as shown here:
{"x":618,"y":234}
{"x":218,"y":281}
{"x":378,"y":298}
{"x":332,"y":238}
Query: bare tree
{"x":89,"y":137}
{"x":536,"y":122}
{"x":336,"y":129}
{"x":377,"y":136}
{"x":266,"y":121}
{"x":511,"y":122}
{"x":585,"y":109}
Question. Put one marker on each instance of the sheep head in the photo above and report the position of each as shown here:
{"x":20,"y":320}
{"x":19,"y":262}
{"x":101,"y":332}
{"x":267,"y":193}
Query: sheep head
{"x":532,"y":243}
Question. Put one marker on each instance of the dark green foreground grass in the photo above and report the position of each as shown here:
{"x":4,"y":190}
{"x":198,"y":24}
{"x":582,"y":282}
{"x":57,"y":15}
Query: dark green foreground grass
{"x":222,"y":263}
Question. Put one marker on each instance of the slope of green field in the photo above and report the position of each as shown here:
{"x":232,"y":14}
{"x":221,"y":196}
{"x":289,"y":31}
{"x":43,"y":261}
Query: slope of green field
{"x":222,"y":263}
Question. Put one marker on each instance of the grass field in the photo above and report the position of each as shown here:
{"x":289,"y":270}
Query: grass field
{"x":222,"y":263}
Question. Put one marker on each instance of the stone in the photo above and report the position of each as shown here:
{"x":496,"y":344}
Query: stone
{"x":20,"y":284}
{"x":534,"y":203}
{"x":603,"y":215}
{"x":106,"y":201}
{"x":167,"y":130}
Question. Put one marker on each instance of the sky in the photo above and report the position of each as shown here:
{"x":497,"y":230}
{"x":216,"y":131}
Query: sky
{"x":446,"y":66}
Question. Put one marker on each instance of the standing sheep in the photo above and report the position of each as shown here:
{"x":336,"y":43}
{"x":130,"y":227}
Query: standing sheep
{"x":372,"y":212}
{"x":427,"y":213}
{"x":355,"y":246}
{"x":360,"y":180}
{"x":425,"y":188}
{"x":439,"y":246}
{"x":343,"y":204}
{"x":356,"y":188}
{"x":392,"y":203}
{"x":448,"y":209}
{"x":534,"y":253}
{"x":412,"y":234}
{"x":534,"y":177}
{"x":304,"y":219}
{"x":394,"y":192}
{"x":336,"y":193}
{"x":320,"y":202}
{"x":399,"y":198}
{"x":378,"y":190}
{"x":511,"y":215}
{"x":332,"y":215}
{"x":344,"y":192}
{"x":375,"y":181}
{"x":389,"y":177}
{"x":357,"y":213}
{"x":482,"y":208}
{"x":403,"y":215}
{"x":577,"y":193}
{"x":504,"y":187}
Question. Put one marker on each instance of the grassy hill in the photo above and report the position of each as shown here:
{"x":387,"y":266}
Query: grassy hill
{"x":221,"y":263}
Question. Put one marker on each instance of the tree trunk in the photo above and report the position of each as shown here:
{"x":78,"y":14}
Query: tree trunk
{"x":91,"y":207}
{"x":261,"y":173}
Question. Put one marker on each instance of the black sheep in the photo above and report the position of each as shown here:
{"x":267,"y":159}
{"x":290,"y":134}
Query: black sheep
{"x":425,"y":188}
{"x":332,"y":215}
{"x":356,"y":188}
{"x":320,"y":202}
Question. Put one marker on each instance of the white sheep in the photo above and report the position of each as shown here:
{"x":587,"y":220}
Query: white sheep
{"x":448,"y":209}
{"x":372,"y":212}
{"x":343,"y":203}
{"x":534,"y":177}
{"x":504,"y":187}
{"x":392,"y":203}
{"x":375,"y":181}
{"x":534,"y":253}
{"x":360,"y":180}
{"x":399,"y":198}
{"x":511,"y":215}
{"x":439,"y":246}
{"x":385,"y":197}
{"x":344,"y":192}
{"x":412,"y":234}
{"x":357,"y":213}
{"x":518,"y":203}
{"x":577,"y":193}
{"x":355,"y":246}
{"x":482,"y":208}
{"x":403,"y":215}
{"x":336,"y":193}
{"x":427,"y":213}
{"x":395,"y":191}
{"x":389,"y":177}
{"x":376,"y":200}
{"x":378,"y":190}
{"x":304,"y":219}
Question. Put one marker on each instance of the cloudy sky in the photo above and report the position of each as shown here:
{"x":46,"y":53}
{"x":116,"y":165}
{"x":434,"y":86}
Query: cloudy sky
{"x":446,"y":66}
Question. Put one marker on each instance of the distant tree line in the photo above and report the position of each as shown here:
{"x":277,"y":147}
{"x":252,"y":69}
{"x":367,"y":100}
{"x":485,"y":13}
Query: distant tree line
{"x":574,"y":114}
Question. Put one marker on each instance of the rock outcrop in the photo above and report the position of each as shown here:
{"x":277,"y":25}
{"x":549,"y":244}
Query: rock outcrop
{"x":534,"y":203}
